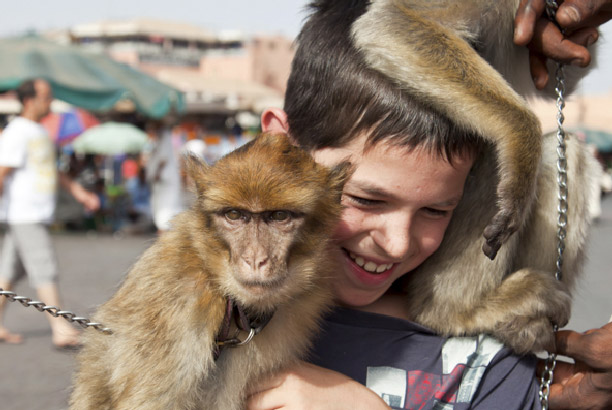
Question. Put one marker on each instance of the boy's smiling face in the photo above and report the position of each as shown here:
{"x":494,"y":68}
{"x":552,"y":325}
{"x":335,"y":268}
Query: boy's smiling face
{"x":398,"y":204}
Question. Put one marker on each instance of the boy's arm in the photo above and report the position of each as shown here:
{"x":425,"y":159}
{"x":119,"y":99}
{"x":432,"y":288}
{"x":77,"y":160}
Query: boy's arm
{"x":313,"y":387}
{"x":90,"y":201}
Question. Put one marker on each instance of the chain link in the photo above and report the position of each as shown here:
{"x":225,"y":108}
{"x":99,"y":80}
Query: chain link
{"x":551,"y":361}
{"x":55,"y":312}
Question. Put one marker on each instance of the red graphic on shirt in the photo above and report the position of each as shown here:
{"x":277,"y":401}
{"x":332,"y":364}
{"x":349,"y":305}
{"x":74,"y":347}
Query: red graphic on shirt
{"x":422,"y":387}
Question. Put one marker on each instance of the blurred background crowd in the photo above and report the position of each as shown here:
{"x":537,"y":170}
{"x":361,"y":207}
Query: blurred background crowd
{"x":133,"y":95}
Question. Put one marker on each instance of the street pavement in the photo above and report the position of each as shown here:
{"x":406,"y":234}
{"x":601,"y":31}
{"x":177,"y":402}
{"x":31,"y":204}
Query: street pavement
{"x":35,"y":376}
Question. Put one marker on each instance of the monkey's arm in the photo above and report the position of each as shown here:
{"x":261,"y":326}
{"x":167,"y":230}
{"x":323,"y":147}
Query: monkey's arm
{"x":436,"y":65}
{"x":519,"y":311}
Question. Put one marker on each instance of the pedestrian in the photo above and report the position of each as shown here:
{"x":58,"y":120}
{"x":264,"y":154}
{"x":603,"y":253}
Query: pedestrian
{"x":163,"y":170}
{"x":28,"y":183}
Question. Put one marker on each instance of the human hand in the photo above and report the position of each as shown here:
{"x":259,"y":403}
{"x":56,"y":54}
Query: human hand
{"x":307,"y":386}
{"x":90,"y":201}
{"x":579,"y":19}
{"x":587,"y":384}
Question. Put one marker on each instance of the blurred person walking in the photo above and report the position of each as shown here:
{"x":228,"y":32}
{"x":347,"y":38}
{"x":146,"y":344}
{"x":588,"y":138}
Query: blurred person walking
{"x":28,"y":185}
{"x":164,"y":174}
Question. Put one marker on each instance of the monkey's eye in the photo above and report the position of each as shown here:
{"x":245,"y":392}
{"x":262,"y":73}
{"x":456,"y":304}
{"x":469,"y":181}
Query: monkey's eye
{"x":233,"y":214}
{"x":279,"y":216}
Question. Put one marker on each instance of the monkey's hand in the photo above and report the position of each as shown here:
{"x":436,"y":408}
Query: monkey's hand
{"x":498,"y":231}
{"x":520,"y":312}
{"x":579,"y":18}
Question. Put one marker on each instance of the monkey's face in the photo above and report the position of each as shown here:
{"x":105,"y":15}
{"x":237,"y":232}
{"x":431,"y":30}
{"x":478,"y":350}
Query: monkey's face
{"x":258,"y":246}
{"x":398,"y":204}
{"x":270,"y":210}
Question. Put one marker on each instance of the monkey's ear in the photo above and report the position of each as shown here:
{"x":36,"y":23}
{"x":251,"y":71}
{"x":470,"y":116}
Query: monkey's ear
{"x":339,"y":175}
{"x":197,"y":169}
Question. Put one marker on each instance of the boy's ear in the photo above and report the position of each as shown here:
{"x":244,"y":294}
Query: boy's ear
{"x":274,"y":121}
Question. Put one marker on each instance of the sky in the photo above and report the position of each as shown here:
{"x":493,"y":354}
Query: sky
{"x":250,"y":16}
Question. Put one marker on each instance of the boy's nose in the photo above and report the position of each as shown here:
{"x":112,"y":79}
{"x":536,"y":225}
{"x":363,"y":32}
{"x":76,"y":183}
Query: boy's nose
{"x":396,"y":239}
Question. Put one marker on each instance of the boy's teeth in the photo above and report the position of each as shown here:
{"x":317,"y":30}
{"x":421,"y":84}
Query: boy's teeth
{"x":369,"y":266}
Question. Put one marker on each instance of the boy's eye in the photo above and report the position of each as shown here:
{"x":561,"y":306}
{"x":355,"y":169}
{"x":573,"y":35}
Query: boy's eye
{"x":362,"y":201}
{"x":437,"y":212}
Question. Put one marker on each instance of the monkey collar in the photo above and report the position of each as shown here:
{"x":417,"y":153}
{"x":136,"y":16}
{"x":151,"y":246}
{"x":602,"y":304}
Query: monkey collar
{"x":243,"y":321}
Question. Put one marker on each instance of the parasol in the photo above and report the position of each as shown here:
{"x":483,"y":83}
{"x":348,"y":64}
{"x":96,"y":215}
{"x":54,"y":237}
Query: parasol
{"x":111,"y":138}
{"x":63,"y":127}
{"x":85,"y":79}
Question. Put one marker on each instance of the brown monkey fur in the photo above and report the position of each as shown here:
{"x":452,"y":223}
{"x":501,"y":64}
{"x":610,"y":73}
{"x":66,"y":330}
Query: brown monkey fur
{"x":169,"y":309}
{"x":458,"y":56}
{"x":428,"y":47}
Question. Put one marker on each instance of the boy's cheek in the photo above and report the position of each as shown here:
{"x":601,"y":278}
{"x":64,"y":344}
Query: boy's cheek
{"x":432,"y":240}
{"x":351,"y":223}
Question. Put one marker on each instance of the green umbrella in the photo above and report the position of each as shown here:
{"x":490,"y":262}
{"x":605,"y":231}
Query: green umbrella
{"x":86,"y":79}
{"x":111,"y":138}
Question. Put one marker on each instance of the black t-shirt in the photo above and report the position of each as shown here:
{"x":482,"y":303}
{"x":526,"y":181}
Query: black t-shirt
{"x":412,"y":368}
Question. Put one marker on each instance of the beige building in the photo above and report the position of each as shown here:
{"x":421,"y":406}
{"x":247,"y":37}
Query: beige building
{"x":220,"y":73}
{"x":581,"y":111}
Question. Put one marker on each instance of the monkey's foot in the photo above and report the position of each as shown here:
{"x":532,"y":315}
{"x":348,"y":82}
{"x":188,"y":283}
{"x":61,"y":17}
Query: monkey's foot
{"x":534,"y":336}
{"x":497,"y":232}
{"x":527,"y":325}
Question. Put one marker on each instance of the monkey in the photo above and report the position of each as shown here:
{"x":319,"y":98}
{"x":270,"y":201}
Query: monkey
{"x":459,"y":58}
{"x":252,"y":244}
{"x":431,"y":48}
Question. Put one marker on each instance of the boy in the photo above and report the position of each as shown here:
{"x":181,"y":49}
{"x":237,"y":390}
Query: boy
{"x":411,"y":164}
{"x":398,"y":205}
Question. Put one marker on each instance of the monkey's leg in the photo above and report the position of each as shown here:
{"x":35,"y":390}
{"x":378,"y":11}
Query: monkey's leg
{"x":439,"y":67}
{"x":520,"y":311}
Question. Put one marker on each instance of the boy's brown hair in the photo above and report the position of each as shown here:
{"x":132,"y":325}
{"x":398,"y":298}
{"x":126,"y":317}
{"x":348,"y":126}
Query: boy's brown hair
{"x":333,"y":96}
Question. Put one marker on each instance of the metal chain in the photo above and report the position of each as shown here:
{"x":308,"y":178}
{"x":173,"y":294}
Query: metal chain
{"x":551,"y":361}
{"x":55,"y":312}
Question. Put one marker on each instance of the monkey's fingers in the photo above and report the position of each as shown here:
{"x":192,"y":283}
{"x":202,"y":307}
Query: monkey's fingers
{"x":497,"y":232}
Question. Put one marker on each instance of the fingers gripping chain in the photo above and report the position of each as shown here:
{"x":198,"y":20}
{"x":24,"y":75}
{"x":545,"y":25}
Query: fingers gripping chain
{"x":55,"y":312}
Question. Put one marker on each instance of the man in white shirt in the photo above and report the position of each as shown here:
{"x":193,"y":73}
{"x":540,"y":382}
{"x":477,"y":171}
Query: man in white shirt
{"x":28,"y":184}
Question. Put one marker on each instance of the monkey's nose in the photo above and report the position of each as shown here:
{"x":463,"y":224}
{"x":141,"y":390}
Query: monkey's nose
{"x":255,"y":263}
